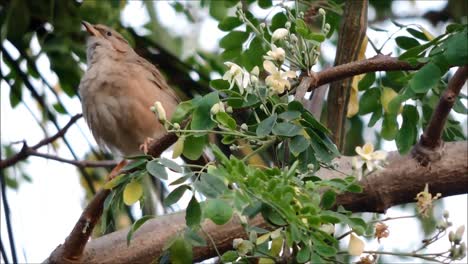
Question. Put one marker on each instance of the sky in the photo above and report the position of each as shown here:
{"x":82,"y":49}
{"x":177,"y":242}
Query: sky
{"x":45,"y":210}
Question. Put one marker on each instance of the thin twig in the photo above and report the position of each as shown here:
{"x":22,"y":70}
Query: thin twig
{"x":77,"y":163}
{"x":50,"y":115}
{"x":26,"y":150}
{"x":6,"y":209}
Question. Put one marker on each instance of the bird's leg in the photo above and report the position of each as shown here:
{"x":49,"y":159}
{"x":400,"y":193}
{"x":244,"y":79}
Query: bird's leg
{"x":145,"y":145}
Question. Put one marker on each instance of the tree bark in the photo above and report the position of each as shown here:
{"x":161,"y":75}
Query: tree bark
{"x":397,"y":184}
{"x":352,"y":33}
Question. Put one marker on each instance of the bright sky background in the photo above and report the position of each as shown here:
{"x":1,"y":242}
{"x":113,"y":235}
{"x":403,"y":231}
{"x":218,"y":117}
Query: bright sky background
{"x":45,"y":211}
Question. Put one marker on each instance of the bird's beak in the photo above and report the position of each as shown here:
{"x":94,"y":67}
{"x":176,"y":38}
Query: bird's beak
{"x":90,"y":28}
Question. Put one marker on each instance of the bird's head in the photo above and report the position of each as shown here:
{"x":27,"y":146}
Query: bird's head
{"x":106,"y":41}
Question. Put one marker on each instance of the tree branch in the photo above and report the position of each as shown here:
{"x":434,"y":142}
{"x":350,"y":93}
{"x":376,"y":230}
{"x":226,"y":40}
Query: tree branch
{"x":397,"y":184}
{"x":376,"y":63}
{"x":26,"y":150}
{"x":72,"y":248}
{"x":429,"y":147}
{"x":50,"y":115}
{"x":351,"y":35}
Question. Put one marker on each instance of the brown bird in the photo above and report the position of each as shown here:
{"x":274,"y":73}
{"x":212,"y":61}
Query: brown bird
{"x":118,"y":90}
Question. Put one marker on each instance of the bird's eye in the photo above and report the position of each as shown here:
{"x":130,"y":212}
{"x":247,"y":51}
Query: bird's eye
{"x":109,"y":33}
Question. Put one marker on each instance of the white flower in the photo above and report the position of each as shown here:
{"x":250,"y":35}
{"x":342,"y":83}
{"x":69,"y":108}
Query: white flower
{"x":159,"y":110}
{"x":279,"y":34}
{"x":275,"y":54}
{"x":356,"y":245}
{"x":371,"y":158}
{"x":216,"y":108}
{"x":237,"y":75}
{"x":254,"y":75}
{"x":278,"y":79}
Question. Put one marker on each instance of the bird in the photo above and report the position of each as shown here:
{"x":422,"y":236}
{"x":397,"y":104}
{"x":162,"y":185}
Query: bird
{"x":117,"y":91}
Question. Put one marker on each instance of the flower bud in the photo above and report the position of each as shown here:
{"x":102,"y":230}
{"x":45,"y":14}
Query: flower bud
{"x":279,"y":34}
{"x":216,"y":108}
{"x":459,"y":234}
{"x":178,"y":147}
{"x":294,"y":38}
{"x":244,"y":126}
{"x":322,"y":11}
{"x":159,"y":110}
{"x":229,"y":109}
{"x":446,"y":214}
{"x":262,"y":25}
{"x":255,"y":71}
{"x":176,"y":126}
{"x":451,"y":236}
{"x":287,"y":25}
{"x":356,"y":245}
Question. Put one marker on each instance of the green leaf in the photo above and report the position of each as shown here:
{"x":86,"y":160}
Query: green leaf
{"x":219,"y":211}
{"x":406,"y":42}
{"x":181,"y":251}
{"x":59,"y":108}
{"x":229,"y":256}
{"x":426,"y":78}
{"x":226,"y":120}
{"x":135,"y":164}
{"x":210,"y":185}
{"x":457,"y":49}
{"x":193,"y":147}
{"x":138,"y":223}
{"x":407,"y":134}
{"x":278,"y":21}
{"x":286,"y":129}
{"x":324,"y":250}
{"x":193,"y":213}
{"x":354,"y":188}
{"x":16,"y":93}
{"x":298,"y":144}
{"x":156,"y":169}
{"x":389,"y":127}
{"x":417,"y":34}
{"x":175,"y":195}
{"x":328,"y":199}
{"x":313,"y":123}
{"x":265,"y":3}
{"x":219,"y":84}
{"x":303,"y":255}
{"x":375,"y":117}
{"x":217,"y":11}
{"x":290,"y":115}
{"x":229,"y":23}
{"x":367,"y":81}
{"x":370,"y":101}
{"x":182,"y":111}
{"x":201,"y":119}
{"x":265,"y":127}
{"x":233,"y":39}
{"x":170,"y":164}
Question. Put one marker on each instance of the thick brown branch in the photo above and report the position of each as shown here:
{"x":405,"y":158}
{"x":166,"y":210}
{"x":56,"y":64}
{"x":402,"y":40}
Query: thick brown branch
{"x":429,"y":146}
{"x":72,"y":248}
{"x":376,"y":63}
{"x":397,"y":184}
{"x":350,"y":39}
{"x":26,"y":151}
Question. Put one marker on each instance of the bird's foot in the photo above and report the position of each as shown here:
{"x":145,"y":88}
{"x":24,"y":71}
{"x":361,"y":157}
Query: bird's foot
{"x":145,"y":145}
